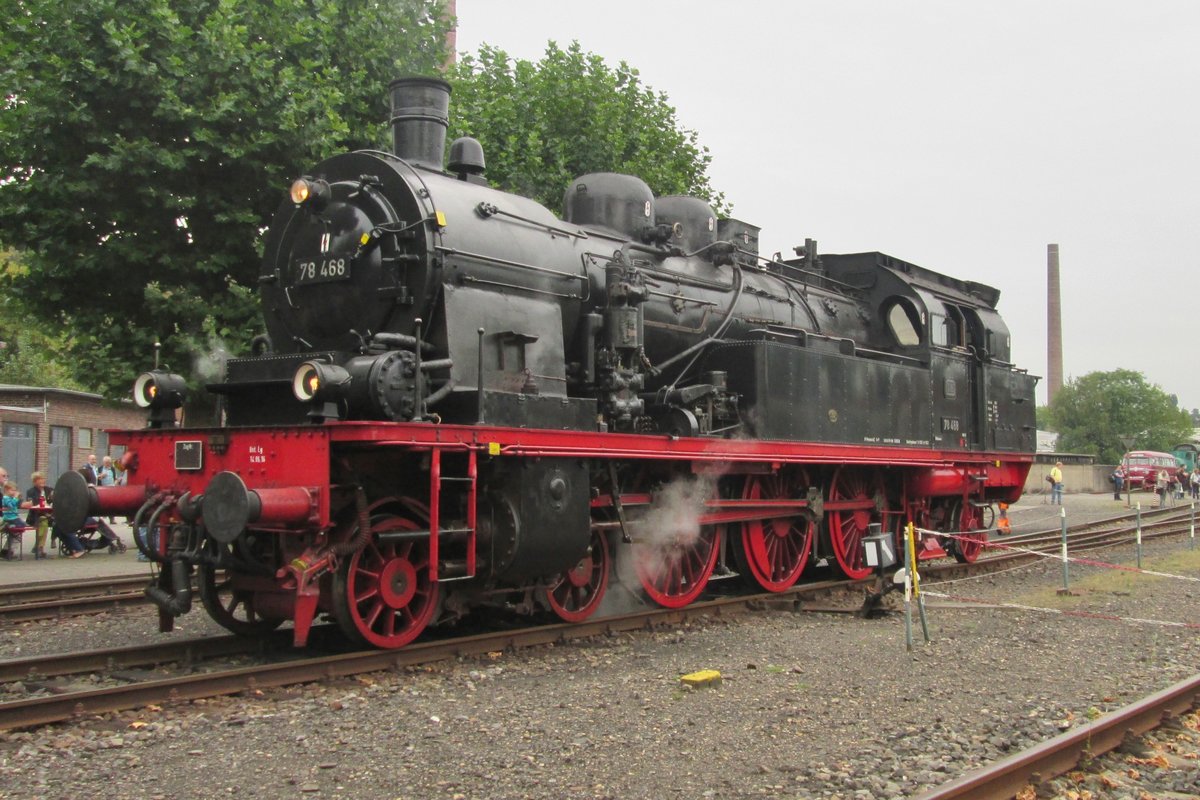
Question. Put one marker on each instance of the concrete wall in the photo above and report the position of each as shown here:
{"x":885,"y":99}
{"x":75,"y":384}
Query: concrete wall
{"x":1088,"y":478}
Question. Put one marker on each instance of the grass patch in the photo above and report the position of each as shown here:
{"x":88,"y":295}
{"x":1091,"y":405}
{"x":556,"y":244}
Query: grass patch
{"x":1115,"y":581}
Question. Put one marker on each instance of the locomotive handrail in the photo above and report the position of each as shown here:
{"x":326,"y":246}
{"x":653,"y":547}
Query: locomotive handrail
{"x":473,"y":279}
{"x":682,"y":298}
{"x":488,"y":210}
{"x":680,"y":277}
{"x":504,"y":262}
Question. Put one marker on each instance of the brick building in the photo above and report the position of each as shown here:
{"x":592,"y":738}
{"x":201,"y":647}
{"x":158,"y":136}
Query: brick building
{"x":54,"y":430}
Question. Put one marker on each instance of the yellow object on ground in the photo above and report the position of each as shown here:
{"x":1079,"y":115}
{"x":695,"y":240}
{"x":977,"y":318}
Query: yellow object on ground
{"x":705,"y":677}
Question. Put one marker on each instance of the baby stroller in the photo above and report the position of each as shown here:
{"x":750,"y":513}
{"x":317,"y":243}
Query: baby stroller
{"x":95,"y":535}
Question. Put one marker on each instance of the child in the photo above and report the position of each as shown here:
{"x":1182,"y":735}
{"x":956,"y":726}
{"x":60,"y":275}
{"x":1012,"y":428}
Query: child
{"x":13,"y":526}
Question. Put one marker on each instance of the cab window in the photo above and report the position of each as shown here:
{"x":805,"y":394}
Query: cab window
{"x":904,"y":323}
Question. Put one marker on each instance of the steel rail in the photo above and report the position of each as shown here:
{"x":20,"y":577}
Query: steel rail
{"x":189,"y":651}
{"x":69,"y":607}
{"x":59,"y":590}
{"x":56,"y":599}
{"x":1004,"y":779}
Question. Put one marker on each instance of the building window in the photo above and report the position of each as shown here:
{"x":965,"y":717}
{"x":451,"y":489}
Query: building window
{"x":85,"y":439}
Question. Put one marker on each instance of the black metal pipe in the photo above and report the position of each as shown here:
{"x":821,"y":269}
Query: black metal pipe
{"x":178,"y":601}
{"x":418,"y":381}
{"x":401,"y":341}
{"x":144,"y":546}
{"x":479,"y":383}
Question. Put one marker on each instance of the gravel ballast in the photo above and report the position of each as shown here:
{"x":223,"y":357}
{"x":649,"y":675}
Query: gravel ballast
{"x":811,"y":705}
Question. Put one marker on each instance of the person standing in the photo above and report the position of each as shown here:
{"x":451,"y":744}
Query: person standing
{"x":106,"y":476}
{"x":89,"y":471}
{"x":39,"y":495}
{"x":1161,"y":484}
{"x":1194,"y":481}
{"x":1118,"y":481}
{"x":1056,"y":481}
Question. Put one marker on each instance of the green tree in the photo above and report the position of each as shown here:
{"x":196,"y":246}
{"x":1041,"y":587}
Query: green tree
{"x":144,"y":145}
{"x":544,"y":124}
{"x":1093,"y":412}
{"x":30,"y":354}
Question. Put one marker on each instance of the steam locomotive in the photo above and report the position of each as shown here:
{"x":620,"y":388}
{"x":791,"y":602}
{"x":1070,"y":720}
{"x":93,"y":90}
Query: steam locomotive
{"x":465,"y":401}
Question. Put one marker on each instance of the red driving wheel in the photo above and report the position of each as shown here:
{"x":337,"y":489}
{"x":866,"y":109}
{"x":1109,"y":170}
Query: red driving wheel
{"x":674,"y":566}
{"x":383,"y":594}
{"x":578,"y":591}
{"x":775,"y":551}
{"x":847,"y":527}
{"x":969,"y":542}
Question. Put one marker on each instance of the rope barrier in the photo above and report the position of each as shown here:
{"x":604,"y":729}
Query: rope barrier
{"x":1058,"y":557}
{"x":1066,"y":613}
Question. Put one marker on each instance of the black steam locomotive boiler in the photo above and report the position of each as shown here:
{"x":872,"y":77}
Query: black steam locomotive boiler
{"x":464,"y":400}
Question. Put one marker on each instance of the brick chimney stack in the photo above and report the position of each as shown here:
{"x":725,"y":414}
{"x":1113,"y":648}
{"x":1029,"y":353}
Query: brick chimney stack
{"x":451,"y":14}
{"x":1054,"y":356}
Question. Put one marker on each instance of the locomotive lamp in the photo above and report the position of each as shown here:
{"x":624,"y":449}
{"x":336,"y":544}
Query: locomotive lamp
{"x":161,"y":392}
{"x":310,"y":192}
{"x":323,"y":386}
{"x":879,"y":552}
{"x":879,"y":549}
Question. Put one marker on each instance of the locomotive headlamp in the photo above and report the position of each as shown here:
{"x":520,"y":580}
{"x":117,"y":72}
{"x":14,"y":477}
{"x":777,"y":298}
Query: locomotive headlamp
{"x":323,"y":385}
{"x":159,"y":389}
{"x":309,"y":192}
{"x":161,"y":392}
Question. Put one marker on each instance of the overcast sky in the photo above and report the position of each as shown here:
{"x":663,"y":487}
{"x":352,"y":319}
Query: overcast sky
{"x":960,"y":136}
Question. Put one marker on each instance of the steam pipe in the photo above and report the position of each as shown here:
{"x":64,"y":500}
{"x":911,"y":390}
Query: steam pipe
{"x":360,"y":539}
{"x":402,"y":341}
{"x":178,"y":602}
{"x":143,"y":546}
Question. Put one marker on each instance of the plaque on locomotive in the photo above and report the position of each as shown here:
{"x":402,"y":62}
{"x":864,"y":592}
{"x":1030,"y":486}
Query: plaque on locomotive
{"x":323,"y":270}
{"x":189,"y":455}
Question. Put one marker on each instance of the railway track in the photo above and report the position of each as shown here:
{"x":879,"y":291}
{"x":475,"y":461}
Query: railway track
{"x":54,"y":599}
{"x":1004,"y":779}
{"x":284,"y":666}
{"x":58,"y":599}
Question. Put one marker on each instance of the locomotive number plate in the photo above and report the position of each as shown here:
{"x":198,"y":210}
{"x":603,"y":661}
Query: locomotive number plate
{"x":322,"y":270}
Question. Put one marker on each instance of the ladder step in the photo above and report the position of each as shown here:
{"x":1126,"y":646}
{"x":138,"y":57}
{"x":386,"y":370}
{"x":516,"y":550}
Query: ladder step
{"x":416,"y":536}
{"x":455,"y":570}
{"x":445,"y":478}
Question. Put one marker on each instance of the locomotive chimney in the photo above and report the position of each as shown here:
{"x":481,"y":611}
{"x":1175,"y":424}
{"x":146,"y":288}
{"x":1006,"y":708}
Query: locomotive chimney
{"x":420,"y":116}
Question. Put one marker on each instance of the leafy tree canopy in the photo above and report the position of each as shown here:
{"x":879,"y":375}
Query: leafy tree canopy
{"x":29,"y":353}
{"x":1093,"y":412}
{"x":543,"y":125}
{"x":145,"y":143}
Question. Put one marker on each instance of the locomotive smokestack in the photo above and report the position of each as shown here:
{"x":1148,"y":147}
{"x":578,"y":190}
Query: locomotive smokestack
{"x":1054,"y":324}
{"x":420,"y":116}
